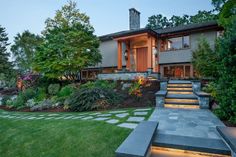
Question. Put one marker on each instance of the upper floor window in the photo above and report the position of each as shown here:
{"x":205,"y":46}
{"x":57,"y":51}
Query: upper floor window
{"x":176,"y":43}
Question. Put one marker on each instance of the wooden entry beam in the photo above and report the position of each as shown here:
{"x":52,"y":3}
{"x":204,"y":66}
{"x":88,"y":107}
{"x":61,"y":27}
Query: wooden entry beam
{"x":119,"y":55}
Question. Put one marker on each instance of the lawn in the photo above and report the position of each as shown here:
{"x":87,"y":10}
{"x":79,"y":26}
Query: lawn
{"x":59,"y":138}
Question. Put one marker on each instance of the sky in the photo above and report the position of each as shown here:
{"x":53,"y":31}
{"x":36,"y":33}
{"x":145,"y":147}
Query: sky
{"x":106,"y":16}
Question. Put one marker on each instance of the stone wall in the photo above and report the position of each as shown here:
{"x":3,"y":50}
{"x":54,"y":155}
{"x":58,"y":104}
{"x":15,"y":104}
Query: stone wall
{"x":121,"y":76}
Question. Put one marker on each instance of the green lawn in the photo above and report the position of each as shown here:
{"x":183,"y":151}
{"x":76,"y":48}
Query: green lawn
{"x":59,"y":138}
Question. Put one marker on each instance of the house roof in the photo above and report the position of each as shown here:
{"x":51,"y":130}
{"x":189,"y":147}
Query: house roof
{"x":160,"y":32}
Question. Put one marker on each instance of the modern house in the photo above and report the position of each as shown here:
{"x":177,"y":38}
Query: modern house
{"x":167,"y":52}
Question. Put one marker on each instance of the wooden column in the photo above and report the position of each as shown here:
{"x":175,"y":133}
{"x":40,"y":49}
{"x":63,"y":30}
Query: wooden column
{"x":149,"y":55}
{"x":128,"y":55}
{"x":119,"y":56}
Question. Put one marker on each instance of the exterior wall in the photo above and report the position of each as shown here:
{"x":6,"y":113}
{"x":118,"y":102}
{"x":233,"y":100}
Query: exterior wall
{"x":185,"y":55}
{"x":108,"y":50}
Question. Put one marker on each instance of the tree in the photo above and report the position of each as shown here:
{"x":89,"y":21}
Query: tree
{"x":24,"y":48}
{"x":5,"y":64}
{"x":160,"y":21}
{"x":69,"y":44}
{"x":205,"y":60}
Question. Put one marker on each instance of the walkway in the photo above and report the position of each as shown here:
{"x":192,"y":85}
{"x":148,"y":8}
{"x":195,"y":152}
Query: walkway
{"x":188,"y":129}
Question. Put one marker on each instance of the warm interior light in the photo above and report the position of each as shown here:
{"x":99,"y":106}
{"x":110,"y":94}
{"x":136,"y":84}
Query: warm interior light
{"x":181,"y":106}
{"x":170,"y":152}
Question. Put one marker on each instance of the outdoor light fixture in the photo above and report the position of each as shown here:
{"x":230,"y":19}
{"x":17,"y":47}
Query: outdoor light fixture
{"x":126,"y":54}
{"x":154,"y":50}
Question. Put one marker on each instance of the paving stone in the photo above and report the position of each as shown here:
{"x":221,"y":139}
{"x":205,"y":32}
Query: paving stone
{"x":54,"y":114}
{"x":101,"y":118}
{"x":87,"y":118}
{"x":140,"y":113}
{"x":173,"y":117}
{"x":143,"y":109}
{"x":97,"y":113}
{"x":49,"y":118}
{"x":122,"y":115}
{"x":112,"y":121}
{"x":128,"y":125}
{"x":31,"y":118}
{"x":59,"y":118}
{"x":39,"y":118}
{"x":114,"y":112}
{"x":104,"y":115}
{"x":135,"y":119}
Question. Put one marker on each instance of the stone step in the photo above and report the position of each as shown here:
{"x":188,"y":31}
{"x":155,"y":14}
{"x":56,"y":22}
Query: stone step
{"x":206,"y":145}
{"x":179,"y":92}
{"x":179,"y":82}
{"x":181,"y":96}
{"x":179,"y":85}
{"x":172,"y":100}
{"x":181,"y":106}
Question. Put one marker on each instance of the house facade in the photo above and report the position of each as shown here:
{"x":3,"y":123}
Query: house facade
{"x":167,"y":52}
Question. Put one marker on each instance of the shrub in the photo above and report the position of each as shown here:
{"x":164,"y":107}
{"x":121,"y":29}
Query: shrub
{"x":135,"y":88}
{"x":92,"y":99}
{"x":103,"y":84}
{"x":40,"y":94}
{"x":53,"y":89}
{"x":5,"y":98}
{"x":66,"y":91}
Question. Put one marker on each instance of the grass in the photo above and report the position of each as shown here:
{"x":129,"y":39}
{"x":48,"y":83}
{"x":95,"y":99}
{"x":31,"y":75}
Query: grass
{"x":59,"y":138}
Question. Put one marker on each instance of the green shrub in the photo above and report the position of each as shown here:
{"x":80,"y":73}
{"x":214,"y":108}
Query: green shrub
{"x":53,"y":89}
{"x":40,"y":94}
{"x":211,"y":88}
{"x":92,"y":99}
{"x":103,"y":84}
{"x":5,"y":98}
{"x":66,"y":91}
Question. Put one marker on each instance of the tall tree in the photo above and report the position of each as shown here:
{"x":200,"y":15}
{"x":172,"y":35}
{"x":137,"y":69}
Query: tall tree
{"x":24,"y":48}
{"x":69,"y":44}
{"x":5,"y":64}
{"x":160,"y":21}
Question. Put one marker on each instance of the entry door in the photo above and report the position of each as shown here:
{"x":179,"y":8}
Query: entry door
{"x":141,"y":54}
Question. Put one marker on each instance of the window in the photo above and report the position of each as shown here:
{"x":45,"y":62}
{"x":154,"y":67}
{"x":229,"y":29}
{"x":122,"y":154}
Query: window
{"x":177,"y":43}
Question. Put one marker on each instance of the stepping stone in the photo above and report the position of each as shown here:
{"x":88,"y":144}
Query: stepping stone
{"x":68,"y":117}
{"x":53,"y":114}
{"x":12,"y":117}
{"x":97,"y":113}
{"x":101,"y":118}
{"x":112,"y":121}
{"x":87,"y":118}
{"x":135,"y":119}
{"x":78,"y":117}
{"x":114,"y":112}
{"x":59,"y":118}
{"x":104,"y":115}
{"x":128,"y":125}
{"x":143,"y":109}
{"x":140,"y":113}
{"x":173,"y":117}
{"x":49,"y":118}
{"x":122,"y":115}
{"x":31,"y":118}
{"x":39,"y":118}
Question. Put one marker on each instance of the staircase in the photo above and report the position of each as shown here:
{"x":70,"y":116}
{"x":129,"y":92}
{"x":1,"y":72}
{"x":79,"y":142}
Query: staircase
{"x":180,"y":95}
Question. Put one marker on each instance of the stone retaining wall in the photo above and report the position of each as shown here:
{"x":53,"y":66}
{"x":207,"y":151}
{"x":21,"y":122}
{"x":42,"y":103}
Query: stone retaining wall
{"x":121,"y":76}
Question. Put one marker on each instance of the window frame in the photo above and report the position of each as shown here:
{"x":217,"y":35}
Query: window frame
{"x":183,"y":48}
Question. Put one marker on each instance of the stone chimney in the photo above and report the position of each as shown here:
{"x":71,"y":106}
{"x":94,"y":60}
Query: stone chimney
{"x":134,"y":19}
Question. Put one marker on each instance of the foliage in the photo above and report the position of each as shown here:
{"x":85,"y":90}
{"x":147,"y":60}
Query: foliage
{"x":92,"y":99}
{"x":104,"y":84}
{"x":211,"y":88}
{"x":24,"y":48}
{"x":135,"y":88}
{"x":69,"y":45}
{"x":6,"y":67}
{"x":66,"y":91}
{"x":53,"y":89}
{"x":5,"y":98}
{"x":228,"y":13}
{"x":41,"y":94}
{"x":159,"y":21}
{"x":205,"y":60}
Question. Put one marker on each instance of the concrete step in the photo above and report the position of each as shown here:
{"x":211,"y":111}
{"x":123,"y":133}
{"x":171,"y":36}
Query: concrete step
{"x":179,"y":85}
{"x":181,"y":106}
{"x":181,"y":96}
{"x":206,"y":145}
{"x":179,"y":89}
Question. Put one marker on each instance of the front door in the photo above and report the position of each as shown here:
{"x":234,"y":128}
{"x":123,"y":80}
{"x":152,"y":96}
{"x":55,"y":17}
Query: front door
{"x":141,"y":56}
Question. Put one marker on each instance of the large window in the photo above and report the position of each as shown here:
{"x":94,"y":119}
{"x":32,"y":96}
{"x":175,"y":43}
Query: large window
{"x":177,"y":43}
